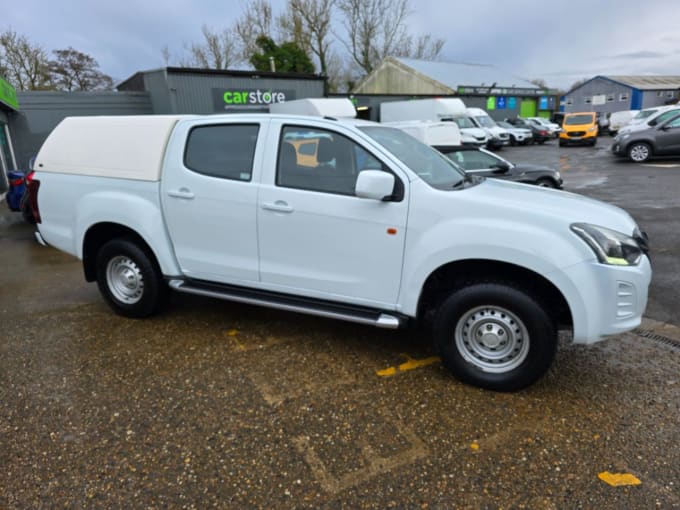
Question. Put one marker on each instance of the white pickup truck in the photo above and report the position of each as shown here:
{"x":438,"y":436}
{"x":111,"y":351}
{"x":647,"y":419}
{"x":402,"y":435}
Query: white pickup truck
{"x":345,"y":219}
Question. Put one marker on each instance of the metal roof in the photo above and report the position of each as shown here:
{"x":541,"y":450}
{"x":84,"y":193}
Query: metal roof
{"x":455,"y":74}
{"x":652,"y":82}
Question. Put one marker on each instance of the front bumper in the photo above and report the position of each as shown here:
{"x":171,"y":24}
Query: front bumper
{"x":606,"y":300}
{"x":618,"y":149}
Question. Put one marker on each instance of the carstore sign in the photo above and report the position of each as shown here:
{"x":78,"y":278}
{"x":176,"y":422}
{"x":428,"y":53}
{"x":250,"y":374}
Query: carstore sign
{"x":225,"y":99}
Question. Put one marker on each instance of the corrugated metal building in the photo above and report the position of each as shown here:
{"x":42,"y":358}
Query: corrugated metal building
{"x":608,"y":94}
{"x":170,"y":90}
{"x":502,"y":94}
{"x":203,"y":91}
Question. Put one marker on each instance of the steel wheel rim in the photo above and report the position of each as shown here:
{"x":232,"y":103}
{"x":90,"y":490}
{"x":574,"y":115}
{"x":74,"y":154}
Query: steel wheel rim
{"x":124,"y":279}
{"x":639,"y":153}
{"x":492,"y":339}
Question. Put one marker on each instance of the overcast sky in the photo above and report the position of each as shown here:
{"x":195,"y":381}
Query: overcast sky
{"x":558,"y":41}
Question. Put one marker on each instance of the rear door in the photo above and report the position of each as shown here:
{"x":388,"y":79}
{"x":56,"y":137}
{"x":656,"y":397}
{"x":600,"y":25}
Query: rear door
{"x":209,"y":196}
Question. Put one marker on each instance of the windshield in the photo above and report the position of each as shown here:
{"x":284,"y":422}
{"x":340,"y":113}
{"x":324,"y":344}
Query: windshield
{"x":644,"y":114}
{"x":463,"y":122}
{"x":575,"y":120}
{"x":485,"y":121}
{"x":431,"y":166}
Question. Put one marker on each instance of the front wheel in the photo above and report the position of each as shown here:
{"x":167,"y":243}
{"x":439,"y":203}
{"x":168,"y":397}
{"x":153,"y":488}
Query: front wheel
{"x":494,"y":336}
{"x":129,"y":279}
{"x":546,"y":182}
{"x":639,"y":152}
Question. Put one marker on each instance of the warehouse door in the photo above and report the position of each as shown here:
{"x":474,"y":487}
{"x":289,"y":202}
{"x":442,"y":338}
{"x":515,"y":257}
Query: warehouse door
{"x":527,"y":108}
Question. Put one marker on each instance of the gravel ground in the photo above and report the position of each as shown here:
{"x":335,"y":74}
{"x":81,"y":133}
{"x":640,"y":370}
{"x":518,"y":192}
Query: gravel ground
{"x":213,"y":404}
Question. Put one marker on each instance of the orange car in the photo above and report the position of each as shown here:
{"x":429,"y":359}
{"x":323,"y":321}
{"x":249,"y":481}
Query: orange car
{"x":579,"y":128}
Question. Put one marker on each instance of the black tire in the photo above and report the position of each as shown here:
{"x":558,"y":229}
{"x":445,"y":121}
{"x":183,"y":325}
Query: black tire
{"x":594,"y":142}
{"x":546,"y":182}
{"x":521,"y":343}
{"x":129,"y":279}
{"x":639,"y":152}
{"x":542,"y":141}
{"x":562,"y":143}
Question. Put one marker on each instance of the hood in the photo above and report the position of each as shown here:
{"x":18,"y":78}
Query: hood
{"x":536,"y":204}
{"x":476,"y":132}
{"x":524,"y":168}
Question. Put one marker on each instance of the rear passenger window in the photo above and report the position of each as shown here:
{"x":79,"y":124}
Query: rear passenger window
{"x":224,"y":151}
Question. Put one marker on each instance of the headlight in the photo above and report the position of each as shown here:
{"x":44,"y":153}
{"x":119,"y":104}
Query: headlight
{"x":592,"y":129}
{"x":610,"y":247}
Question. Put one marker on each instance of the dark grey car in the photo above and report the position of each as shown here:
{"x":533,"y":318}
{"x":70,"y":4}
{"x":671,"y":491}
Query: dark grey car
{"x":660,"y":140}
{"x":487,"y":164}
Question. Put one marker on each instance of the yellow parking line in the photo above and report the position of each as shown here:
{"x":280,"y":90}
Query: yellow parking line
{"x":409,"y":364}
{"x":619,"y":479}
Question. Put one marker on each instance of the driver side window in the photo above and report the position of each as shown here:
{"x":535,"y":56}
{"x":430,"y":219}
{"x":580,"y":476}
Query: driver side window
{"x":320,"y":160}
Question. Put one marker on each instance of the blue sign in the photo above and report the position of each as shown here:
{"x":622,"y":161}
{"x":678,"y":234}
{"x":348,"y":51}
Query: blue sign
{"x":500,"y":102}
{"x":512,"y":102}
{"x":543,"y":103}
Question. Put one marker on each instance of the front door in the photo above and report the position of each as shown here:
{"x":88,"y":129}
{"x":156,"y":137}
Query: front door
{"x":668,"y":138}
{"x":316,"y":237}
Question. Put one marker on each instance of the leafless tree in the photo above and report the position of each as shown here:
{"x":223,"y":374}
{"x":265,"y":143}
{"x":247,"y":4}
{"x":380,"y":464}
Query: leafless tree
{"x":255,"y":21}
{"x":377,"y":28}
{"x":24,"y":64}
{"x":75,"y":70}
{"x":219,"y":50}
{"x":309,"y":24}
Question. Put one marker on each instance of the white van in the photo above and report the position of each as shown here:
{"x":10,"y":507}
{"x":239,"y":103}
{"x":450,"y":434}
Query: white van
{"x":617,"y":120}
{"x":436,"y":110}
{"x":498,"y":137}
{"x":340,"y":108}
{"x":430,"y":133}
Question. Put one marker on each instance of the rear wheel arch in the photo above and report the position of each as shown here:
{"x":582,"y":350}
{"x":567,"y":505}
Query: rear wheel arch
{"x":101,"y":233}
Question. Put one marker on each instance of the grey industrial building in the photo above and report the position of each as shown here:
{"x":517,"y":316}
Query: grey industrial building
{"x":500,"y":93}
{"x":26,"y":118}
{"x":608,"y":94}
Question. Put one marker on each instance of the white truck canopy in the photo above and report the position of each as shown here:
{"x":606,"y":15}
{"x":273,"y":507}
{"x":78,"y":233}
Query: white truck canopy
{"x":125,"y":147}
{"x":321,"y":107}
{"x":435,"y":109}
{"x":430,"y":133}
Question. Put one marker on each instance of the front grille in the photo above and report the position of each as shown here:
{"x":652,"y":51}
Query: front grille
{"x":480,"y":138}
{"x":576,"y":133}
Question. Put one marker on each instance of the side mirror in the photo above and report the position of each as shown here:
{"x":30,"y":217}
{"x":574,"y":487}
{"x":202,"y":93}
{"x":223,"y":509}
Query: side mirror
{"x":374,"y":184}
{"x":501,"y":167}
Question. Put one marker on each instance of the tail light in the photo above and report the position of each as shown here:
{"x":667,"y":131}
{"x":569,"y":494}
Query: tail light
{"x":33,"y":185}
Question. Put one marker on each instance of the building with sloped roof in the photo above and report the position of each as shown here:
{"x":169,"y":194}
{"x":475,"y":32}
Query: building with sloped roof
{"x":499,"y":92}
{"x":613,"y":93}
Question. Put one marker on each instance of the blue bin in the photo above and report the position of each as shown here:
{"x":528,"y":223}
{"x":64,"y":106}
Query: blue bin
{"x":17,"y":186}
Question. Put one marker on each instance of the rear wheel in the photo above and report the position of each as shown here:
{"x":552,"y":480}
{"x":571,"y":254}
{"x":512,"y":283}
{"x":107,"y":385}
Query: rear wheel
{"x":129,"y":278}
{"x":494,"y":336}
{"x":639,"y":152}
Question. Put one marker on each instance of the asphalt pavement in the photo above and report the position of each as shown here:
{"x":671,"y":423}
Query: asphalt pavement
{"x":219,"y":405}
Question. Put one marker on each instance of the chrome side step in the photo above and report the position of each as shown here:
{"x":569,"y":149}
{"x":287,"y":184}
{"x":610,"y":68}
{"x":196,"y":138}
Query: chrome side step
{"x":297,"y":304}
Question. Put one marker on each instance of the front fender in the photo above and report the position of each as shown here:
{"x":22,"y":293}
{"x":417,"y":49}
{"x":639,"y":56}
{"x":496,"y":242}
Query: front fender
{"x":537,"y":249}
